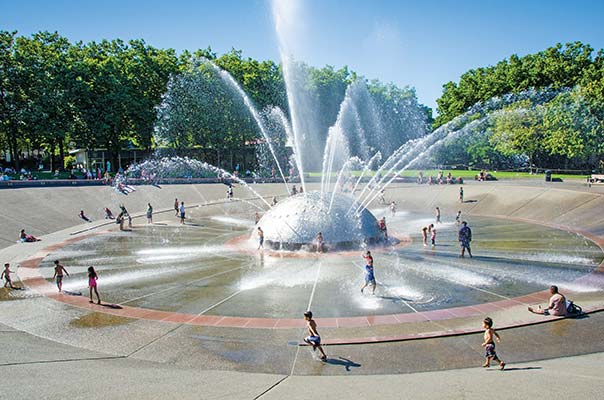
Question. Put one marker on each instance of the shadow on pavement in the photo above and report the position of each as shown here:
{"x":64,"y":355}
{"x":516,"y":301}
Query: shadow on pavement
{"x":346,"y":363}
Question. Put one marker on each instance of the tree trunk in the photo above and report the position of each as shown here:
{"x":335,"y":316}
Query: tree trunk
{"x":61,"y":154}
{"x":12,"y":142}
{"x":51,"y":159}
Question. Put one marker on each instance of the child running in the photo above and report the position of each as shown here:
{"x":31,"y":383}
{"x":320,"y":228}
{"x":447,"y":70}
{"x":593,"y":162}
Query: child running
{"x":489,"y":344}
{"x":432,"y":231}
{"x":59,"y":270}
{"x":92,"y":278}
{"x":369,"y":276}
{"x":313,"y":338}
{"x":6,"y":276}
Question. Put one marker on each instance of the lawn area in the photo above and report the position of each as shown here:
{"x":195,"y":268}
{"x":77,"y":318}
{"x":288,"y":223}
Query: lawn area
{"x":469,"y":174}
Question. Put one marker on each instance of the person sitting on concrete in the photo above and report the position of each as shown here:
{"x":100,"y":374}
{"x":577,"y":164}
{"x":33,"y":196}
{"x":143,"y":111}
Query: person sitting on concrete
{"x":24,"y":237}
{"x":108,"y":214}
{"x":557,"y":304}
{"x":83,"y":216}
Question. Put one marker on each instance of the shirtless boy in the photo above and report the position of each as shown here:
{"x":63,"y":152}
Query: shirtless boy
{"x":6,"y":276}
{"x":313,"y":338}
{"x":59,"y":270}
{"x":489,"y":343}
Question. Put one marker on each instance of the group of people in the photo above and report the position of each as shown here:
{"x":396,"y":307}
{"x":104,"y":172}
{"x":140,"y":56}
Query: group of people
{"x":59,"y":274}
{"x":464,"y":233}
{"x":440,"y":179}
{"x":180,"y":210}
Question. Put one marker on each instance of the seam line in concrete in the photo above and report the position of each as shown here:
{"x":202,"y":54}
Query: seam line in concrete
{"x":271,"y":387}
{"x":64,"y":360}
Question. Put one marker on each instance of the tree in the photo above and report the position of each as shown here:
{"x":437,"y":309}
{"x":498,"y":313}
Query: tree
{"x":518,"y":129}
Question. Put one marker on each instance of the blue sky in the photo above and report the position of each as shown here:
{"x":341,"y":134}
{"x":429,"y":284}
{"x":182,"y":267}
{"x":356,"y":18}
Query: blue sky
{"x":417,"y":43}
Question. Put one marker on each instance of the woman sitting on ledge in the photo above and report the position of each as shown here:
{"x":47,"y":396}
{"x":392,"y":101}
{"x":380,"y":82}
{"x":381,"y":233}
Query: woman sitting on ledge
{"x":557,"y":304}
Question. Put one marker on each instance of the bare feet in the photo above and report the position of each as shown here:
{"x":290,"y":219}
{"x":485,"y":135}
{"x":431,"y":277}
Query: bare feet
{"x":501,"y":365}
{"x":530,"y":309}
{"x":323,"y":358}
{"x":485,"y":365}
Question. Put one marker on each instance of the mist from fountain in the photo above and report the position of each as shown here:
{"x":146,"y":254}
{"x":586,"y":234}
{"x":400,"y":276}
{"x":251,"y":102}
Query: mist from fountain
{"x":228,"y":78}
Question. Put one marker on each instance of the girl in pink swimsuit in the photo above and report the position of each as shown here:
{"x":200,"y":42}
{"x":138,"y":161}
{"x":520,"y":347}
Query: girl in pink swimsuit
{"x":92,"y":277}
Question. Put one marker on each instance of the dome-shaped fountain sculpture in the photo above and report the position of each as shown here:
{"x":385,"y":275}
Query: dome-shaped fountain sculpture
{"x":294,"y":223}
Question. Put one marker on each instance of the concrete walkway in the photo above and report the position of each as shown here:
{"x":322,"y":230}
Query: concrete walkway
{"x":33,"y":367}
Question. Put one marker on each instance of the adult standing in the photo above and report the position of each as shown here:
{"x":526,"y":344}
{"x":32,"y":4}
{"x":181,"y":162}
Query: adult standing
{"x":176,"y":207}
{"x":464,"y":235}
{"x":182,"y":212}
{"x":149,"y":213}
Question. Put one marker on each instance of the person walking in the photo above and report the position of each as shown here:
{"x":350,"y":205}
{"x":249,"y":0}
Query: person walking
{"x":58,"y":275}
{"x":489,"y":344}
{"x":182,"y":212}
{"x":464,"y":235}
{"x":149,"y":213}
{"x":461,"y":194}
{"x":176,"y":207}
{"x":260,"y":238}
{"x":92,"y":278}
{"x":313,"y":338}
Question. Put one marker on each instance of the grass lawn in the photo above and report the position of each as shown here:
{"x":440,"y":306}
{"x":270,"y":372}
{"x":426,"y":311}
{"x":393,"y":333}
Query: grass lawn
{"x":469,"y":174}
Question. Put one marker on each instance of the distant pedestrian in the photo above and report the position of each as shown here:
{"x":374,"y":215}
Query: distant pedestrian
{"x":461,"y":194}
{"x":313,"y":338}
{"x":392,"y":208}
{"x":58,"y":275}
{"x":490,"y":336}
{"x":257,"y":218}
{"x":464,"y":235}
{"x":319,"y":241}
{"x":182,"y":212}
{"x":176,"y":207}
{"x":294,"y":190}
{"x":458,"y":218}
{"x":382,"y":199}
{"x":260,"y":238}
{"x":6,"y":276}
{"x":229,"y":193}
{"x":432,"y":231}
{"x":92,"y":278}
{"x":425,"y":236}
{"x":437,"y":214}
{"x":149,"y":213}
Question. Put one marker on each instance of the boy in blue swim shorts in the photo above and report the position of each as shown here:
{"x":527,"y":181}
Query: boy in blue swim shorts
{"x":369,"y":277}
{"x":313,"y":338}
